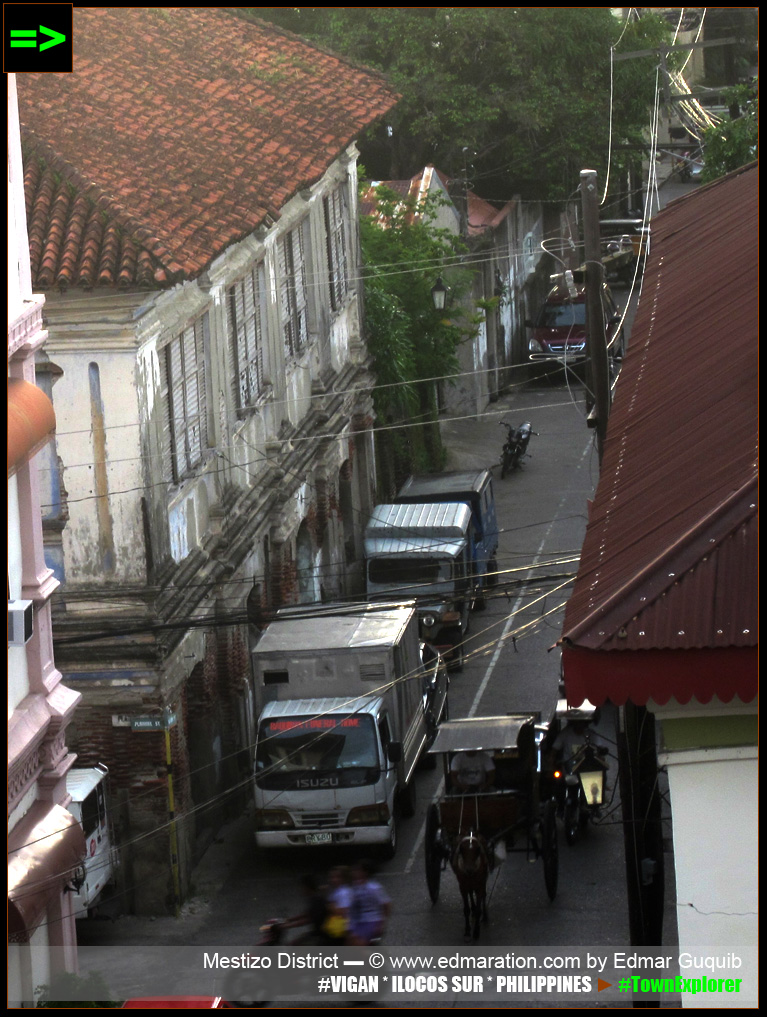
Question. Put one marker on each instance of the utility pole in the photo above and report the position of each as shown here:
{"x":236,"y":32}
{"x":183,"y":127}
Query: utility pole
{"x":599,"y":371}
{"x":635,"y":731}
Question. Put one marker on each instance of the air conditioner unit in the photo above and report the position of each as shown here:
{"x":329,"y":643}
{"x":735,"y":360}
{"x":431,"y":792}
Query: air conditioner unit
{"x":20,"y":624}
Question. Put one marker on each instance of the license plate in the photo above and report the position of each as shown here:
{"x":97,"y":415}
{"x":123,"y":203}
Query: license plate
{"x":319,"y":838}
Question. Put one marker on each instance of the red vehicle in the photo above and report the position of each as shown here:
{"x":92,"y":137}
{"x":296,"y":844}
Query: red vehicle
{"x":559,"y":331}
{"x":177,"y":1003}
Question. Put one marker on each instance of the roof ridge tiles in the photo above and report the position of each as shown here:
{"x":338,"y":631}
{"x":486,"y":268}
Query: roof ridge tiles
{"x":54,"y":164}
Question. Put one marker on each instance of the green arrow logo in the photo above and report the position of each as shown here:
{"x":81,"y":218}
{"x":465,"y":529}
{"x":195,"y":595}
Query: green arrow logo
{"x":28,"y":39}
{"x":55,"y":38}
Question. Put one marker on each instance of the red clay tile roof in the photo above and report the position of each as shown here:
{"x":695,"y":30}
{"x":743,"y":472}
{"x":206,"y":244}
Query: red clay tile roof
{"x":669,"y":562}
{"x":179,"y":132}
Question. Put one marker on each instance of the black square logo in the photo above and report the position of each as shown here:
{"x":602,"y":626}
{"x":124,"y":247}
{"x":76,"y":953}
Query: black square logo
{"x":37,"y":38}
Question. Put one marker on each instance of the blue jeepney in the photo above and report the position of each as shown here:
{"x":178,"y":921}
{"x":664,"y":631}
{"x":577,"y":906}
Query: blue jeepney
{"x":475,"y":489}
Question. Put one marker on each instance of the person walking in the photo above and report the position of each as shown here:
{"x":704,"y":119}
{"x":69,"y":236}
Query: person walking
{"x":370,"y":907}
{"x":338,"y":899}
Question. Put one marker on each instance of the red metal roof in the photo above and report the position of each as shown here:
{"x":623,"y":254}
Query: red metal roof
{"x":669,"y":559}
{"x":179,"y":131}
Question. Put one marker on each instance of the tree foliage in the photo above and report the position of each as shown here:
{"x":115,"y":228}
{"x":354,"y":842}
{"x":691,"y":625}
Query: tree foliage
{"x":512,"y":99}
{"x":68,"y":990}
{"x":733,"y":143}
{"x":403,"y":254}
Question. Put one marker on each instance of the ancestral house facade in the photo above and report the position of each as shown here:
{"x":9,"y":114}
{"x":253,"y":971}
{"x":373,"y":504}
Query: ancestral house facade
{"x":214,"y":456}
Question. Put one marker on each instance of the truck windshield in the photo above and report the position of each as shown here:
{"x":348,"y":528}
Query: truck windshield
{"x":317,"y":752}
{"x":408,"y":571}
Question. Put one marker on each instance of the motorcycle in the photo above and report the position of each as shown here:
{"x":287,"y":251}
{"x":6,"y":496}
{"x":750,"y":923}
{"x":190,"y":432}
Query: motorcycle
{"x":239,"y":988}
{"x":584,"y":780}
{"x":515,"y":447}
{"x":683,"y":166}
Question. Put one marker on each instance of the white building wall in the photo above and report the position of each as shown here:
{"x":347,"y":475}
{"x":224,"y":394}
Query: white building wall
{"x":715,"y":809}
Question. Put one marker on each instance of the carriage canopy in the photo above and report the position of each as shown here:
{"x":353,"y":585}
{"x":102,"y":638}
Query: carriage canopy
{"x":489,"y":734}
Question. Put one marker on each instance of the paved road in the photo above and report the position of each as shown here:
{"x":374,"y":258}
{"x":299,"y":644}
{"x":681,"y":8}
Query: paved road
{"x":510,"y":666}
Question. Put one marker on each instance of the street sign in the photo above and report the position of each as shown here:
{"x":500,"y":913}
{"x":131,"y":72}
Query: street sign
{"x":146,"y":724}
{"x":153,"y":723}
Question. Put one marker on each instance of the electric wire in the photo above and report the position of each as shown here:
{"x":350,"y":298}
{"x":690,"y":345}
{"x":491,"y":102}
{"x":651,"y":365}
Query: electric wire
{"x":290,"y":443}
{"x":31,"y":886}
{"x":522,"y":628}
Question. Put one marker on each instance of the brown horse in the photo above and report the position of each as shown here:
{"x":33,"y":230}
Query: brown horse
{"x":471,"y":862}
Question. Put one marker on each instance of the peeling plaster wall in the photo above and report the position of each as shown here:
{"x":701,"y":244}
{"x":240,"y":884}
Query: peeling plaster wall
{"x":98,"y":442}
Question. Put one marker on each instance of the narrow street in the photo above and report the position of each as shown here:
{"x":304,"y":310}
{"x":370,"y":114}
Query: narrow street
{"x":511,"y":665}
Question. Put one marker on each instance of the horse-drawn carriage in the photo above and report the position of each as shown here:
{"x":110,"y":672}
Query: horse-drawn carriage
{"x":473,"y":829}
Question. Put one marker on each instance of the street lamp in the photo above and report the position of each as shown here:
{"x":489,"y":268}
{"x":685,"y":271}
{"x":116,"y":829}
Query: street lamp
{"x":439,"y":295}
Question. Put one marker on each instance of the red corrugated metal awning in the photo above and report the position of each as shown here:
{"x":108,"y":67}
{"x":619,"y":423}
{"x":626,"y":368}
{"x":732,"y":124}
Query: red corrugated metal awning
{"x":665,"y":604}
{"x":31,"y":422}
{"x":657,"y":676}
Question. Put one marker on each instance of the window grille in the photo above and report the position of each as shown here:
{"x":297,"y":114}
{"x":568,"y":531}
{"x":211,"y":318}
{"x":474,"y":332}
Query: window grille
{"x":293,"y":292}
{"x":335,"y":234}
{"x":246,"y":336}
{"x":185,"y":401}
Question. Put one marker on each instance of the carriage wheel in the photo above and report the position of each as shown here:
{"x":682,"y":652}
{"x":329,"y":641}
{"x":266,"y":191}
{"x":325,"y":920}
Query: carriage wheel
{"x":550,"y":848}
{"x":433,"y":853}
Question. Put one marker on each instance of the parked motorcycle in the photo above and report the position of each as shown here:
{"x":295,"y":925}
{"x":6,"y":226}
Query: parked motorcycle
{"x":683,"y":166}
{"x":584,"y":777}
{"x":515,"y":447}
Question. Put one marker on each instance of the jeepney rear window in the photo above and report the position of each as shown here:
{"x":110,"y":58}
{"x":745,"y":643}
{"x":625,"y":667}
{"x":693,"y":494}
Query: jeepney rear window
{"x":405,"y":571}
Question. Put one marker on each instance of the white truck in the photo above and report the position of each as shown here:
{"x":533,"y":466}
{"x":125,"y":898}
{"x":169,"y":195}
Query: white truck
{"x":87,"y":787}
{"x":349,"y":699}
{"x":425,"y":551}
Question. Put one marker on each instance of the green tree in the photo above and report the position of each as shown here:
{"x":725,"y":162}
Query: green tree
{"x":412,"y":345}
{"x":733,"y":143}
{"x":67,"y":991}
{"x":512,"y":99}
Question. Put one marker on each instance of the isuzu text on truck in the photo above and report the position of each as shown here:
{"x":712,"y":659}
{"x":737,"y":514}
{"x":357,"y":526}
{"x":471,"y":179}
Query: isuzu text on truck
{"x":349,"y":700}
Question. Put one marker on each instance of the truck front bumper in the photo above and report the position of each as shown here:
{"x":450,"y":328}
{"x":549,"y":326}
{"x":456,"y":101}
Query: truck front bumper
{"x":348,"y":835}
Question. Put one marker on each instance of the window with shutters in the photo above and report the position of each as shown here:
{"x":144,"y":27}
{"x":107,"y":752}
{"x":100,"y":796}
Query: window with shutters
{"x":185,"y":401}
{"x":293,"y":291}
{"x":335,"y":237}
{"x":246,"y":336}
